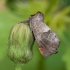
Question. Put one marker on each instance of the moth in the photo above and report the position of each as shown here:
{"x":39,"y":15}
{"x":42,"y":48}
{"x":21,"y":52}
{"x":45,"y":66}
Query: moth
{"x":46,"y":39}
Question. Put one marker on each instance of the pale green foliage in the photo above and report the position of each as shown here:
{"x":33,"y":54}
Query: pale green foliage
{"x":57,"y":17}
{"x":66,"y":58}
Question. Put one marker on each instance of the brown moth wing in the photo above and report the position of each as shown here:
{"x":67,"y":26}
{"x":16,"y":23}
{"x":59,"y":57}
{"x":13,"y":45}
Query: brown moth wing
{"x":46,"y":39}
{"x":49,"y":43}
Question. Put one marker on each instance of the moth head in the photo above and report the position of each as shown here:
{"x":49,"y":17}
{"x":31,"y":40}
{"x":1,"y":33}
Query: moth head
{"x":37,"y":17}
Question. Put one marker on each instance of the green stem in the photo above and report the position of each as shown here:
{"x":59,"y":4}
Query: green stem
{"x":18,"y":67}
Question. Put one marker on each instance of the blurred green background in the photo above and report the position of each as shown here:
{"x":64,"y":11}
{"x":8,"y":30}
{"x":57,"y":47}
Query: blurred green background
{"x":56,"y":16}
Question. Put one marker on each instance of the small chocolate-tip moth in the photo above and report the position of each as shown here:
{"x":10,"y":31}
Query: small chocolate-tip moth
{"x":46,"y":39}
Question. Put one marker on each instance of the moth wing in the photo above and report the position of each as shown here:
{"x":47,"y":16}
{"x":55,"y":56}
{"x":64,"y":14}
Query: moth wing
{"x":49,"y":43}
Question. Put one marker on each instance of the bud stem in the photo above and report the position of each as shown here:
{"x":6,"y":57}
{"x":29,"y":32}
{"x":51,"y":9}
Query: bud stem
{"x":25,"y":21}
{"x":18,"y":67}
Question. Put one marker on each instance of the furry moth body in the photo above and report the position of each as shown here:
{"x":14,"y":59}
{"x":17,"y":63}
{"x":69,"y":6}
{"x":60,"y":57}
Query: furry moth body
{"x":46,"y":39}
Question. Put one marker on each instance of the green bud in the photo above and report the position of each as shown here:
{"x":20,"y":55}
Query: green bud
{"x":21,"y":41}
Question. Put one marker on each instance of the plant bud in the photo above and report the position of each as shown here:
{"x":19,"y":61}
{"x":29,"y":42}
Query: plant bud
{"x":21,"y":41}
